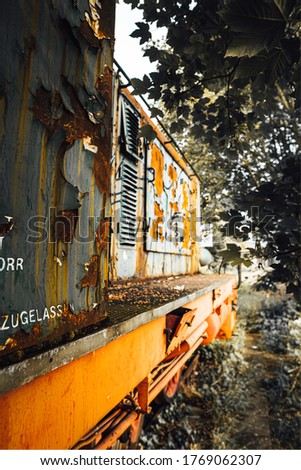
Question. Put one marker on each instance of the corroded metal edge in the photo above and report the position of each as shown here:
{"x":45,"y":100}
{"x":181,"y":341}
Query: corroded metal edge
{"x":30,"y":369}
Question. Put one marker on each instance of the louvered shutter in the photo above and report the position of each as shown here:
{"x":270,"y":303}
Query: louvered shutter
{"x":129,"y":184}
{"x":130,"y":124}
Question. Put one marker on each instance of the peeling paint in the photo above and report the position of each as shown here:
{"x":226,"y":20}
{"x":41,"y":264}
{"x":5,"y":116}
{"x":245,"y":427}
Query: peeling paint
{"x":186,"y":230}
{"x":65,"y":225}
{"x":157,"y":163}
{"x":91,"y":278}
{"x":173,"y":207}
{"x":102,"y":234}
{"x":156,"y":230}
{"x":87,"y":141}
{"x":185,"y":189}
{"x":55,"y":94}
{"x":172,"y":173}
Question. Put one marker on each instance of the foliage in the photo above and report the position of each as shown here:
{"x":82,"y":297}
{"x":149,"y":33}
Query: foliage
{"x":223,"y":47}
{"x":229,"y":71}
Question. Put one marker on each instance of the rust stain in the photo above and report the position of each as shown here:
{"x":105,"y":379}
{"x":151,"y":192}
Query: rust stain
{"x":156,"y":229}
{"x":157,"y":163}
{"x":172,"y":173}
{"x":91,"y":278}
{"x":5,"y":228}
{"x":102,"y":168}
{"x":68,"y":327}
{"x":185,"y":204}
{"x":65,"y":225}
{"x":102,"y":234}
{"x":48,"y":108}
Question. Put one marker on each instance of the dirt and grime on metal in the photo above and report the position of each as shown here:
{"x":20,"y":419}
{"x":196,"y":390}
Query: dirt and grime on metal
{"x":151,"y":293}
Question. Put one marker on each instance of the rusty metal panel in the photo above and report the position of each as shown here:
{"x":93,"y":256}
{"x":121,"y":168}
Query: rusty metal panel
{"x":56,"y":107}
{"x":168,"y":203}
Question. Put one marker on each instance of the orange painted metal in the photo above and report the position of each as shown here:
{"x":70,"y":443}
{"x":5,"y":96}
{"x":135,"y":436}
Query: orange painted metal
{"x":190,"y":341}
{"x":143,"y":399}
{"x":182,"y":330}
{"x":171,"y":372}
{"x":57,"y":409}
{"x":229,"y":326}
{"x":82,"y":392}
{"x":213,"y":328}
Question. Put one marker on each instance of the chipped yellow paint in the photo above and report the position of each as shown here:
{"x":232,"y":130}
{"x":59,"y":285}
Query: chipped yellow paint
{"x":172,"y":173}
{"x":174,"y":207}
{"x":185,"y":204}
{"x":186,"y":223}
{"x":156,"y":230}
{"x":157,"y":163}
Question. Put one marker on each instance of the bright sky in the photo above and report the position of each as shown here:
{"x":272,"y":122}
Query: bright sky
{"x":128,"y":51}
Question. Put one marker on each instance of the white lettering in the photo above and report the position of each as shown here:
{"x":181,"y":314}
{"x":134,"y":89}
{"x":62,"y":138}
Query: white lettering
{"x":10,"y":264}
{"x":4,"y":327}
{"x":19,"y":264}
{"x":16,"y":320}
{"x":15,"y":324}
{"x":53,"y":311}
{"x":38,"y":318}
{"x":60,"y":309}
{"x":32,"y":318}
{"x":46,"y":314}
{"x":25,"y":322}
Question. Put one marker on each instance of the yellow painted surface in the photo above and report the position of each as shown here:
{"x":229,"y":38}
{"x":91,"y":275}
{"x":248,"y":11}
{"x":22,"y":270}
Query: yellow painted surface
{"x":157,"y":163}
{"x":57,"y":409}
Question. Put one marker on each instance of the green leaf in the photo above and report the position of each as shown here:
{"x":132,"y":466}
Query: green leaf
{"x":155,"y":112}
{"x":273,"y":65}
{"x":142,"y":32}
{"x":260,"y":25}
{"x":153,"y":53}
{"x":147,"y":132}
{"x":133,"y":3}
{"x":140,"y":86}
{"x":244,"y":16}
{"x":247,"y":262}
